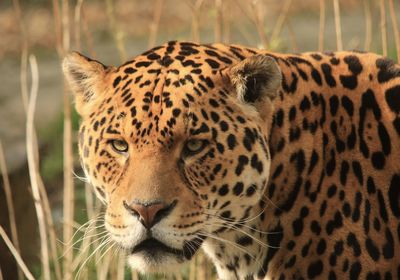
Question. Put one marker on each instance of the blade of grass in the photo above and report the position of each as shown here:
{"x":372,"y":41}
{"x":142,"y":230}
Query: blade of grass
{"x":195,"y":19}
{"x":57,"y":27}
{"x":118,"y":35}
{"x":120,"y":267}
{"x":338,"y":28}
{"x":155,"y":23}
{"x":16,"y":255}
{"x":88,"y":35}
{"x":9,"y":201}
{"x":192,"y":269}
{"x":383,"y":27}
{"x":77,"y":24}
{"x":276,"y":31}
{"x":24,"y":54}
{"x":395,"y":28}
{"x":218,"y":21}
{"x":292,"y":36}
{"x":69,"y":191}
{"x":24,"y":89}
{"x":259,"y":19}
{"x":321,"y":35}
{"x":33,"y":169}
{"x":368,"y":25}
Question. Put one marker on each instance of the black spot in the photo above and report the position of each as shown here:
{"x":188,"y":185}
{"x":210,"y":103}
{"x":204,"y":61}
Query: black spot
{"x":223,"y":125}
{"x":334,"y":104}
{"x":176,"y":112}
{"x":355,"y":270}
{"x":368,"y":101}
{"x":244,"y":241}
{"x":348,"y":105}
{"x":315,"y":269}
{"x":305,"y":249}
{"x":384,"y":138}
{"x":274,"y":241}
{"x":331,"y":165}
{"x":372,"y":249}
{"x":116,"y":81}
{"x":349,"y":82}
{"x":353,"y":243}
{"x":392,"y":96}
{"x":394,"y":195}
{"x":382,"y":207}
{"x":327,"y":70}
{"x":396,"y":124}
{"x":316,"y":76}
{"x":321,"y":247}
{"x":143,"y":63}
{"x":256,"y":164}
{"x":343,"y":172}
{"x":291,"y":262}
{"x":297,"y":226}
{"x":279,"y":117}
{"x":305,"y":104}
{"x":223,"y":190}
{"x":293,"y":85}
{"x":238,"y":188}
{"x":313,"y":161}
{"x":130,"y":70}
{"x":242,"y":162}
{"x":388,"y":248}
{"x":357,"y":171}
{"x":373,"y":276}
{"x":331,"y":191}
{"x":378,"y":160}
{"x":251,"y":190}
{"x":231,"y":141}
{"x":213,"y":103}
{"x":387,"y":70}
{"x":292,"y":113}
{"x":315,"y":227}
{"x":213,"y":64}
{"x":292,"y":196}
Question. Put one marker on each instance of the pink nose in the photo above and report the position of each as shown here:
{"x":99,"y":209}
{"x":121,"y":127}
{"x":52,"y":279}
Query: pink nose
{"x":149,"y":213}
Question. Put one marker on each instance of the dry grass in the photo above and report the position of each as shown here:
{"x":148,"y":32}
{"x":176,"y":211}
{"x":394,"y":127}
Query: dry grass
{"x":338,"y":26}
{"x":33,"y":170}
{"x":383,"y":27}
{"x":321,"y":34}
{"x":93,"y":259}
{"x":16,"y":255}
{"x":10,"y":203}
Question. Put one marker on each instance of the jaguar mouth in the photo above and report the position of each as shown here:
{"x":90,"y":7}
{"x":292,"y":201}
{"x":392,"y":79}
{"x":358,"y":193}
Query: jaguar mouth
{"x":154,"y":247}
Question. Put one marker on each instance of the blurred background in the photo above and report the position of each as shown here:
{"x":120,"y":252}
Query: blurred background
{"x":49,"y":219}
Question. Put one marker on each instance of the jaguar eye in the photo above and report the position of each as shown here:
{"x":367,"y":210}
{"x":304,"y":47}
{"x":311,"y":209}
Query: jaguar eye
{"x":195,"y":146}
{"x":120,"y":146}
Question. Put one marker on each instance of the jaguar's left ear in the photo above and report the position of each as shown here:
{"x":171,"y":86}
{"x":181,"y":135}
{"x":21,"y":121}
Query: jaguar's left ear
{"x":255,"y":79}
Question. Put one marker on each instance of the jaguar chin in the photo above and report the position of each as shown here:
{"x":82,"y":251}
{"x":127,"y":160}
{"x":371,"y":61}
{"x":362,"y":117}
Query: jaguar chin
{"x":153,"y":256}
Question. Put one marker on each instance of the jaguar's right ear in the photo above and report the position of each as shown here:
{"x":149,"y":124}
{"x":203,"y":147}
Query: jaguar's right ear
{"x":86,"y":78}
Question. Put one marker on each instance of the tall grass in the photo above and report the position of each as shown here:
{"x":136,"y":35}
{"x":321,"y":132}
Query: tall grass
{"x":85,"y":251}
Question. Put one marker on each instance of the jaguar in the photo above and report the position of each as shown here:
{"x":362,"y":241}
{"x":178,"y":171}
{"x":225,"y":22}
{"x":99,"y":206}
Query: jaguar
{"x":278,"y":166}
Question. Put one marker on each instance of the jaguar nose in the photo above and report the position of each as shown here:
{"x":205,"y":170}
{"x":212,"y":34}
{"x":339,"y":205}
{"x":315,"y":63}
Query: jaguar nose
{"x":149,"y":213}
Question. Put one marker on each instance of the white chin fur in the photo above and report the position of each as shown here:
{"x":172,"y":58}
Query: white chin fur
{"x":162,"y":264}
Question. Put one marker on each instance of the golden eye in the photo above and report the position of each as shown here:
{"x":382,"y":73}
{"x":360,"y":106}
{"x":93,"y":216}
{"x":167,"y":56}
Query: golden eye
{"x":195,"y":145}
{"x":120,"y":146}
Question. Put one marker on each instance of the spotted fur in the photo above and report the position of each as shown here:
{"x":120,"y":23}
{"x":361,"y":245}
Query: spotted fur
{"x":297,"y":175}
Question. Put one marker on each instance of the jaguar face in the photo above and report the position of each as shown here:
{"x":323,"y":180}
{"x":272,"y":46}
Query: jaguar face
{"x":174,"y":145}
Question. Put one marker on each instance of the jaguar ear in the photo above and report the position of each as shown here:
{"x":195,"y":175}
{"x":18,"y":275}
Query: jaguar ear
{"x":85,"y":77}
{"x":256,"y":78}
